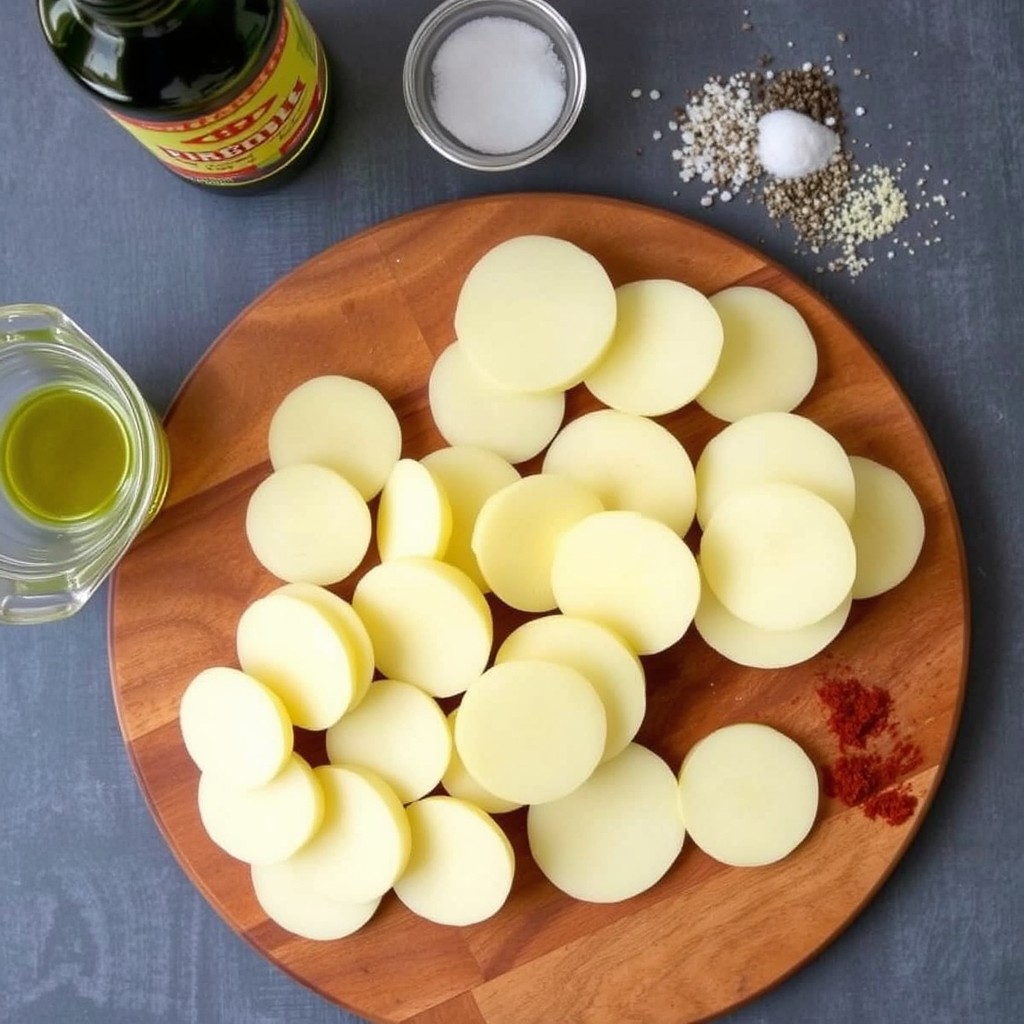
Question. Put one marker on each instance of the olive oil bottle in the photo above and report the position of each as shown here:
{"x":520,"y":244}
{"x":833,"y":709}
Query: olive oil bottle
{"x":229,"y":94}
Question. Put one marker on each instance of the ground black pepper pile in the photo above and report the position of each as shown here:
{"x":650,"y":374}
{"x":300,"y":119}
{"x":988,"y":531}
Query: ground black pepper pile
{"x":807,"y":203}
{"x":807,"y":92}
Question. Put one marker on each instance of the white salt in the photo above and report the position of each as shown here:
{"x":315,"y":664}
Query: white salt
{"x":792,"y":145}
{"x":499,"y":85}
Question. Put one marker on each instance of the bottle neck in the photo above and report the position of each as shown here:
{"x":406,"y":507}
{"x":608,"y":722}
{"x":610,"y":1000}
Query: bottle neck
{"x":127,"y":13}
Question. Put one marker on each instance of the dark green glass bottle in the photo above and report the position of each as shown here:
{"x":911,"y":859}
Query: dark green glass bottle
{"x":230,"y":94}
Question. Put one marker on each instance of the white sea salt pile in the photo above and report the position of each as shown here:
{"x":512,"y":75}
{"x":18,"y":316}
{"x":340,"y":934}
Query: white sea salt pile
{"x":793,"y":145}
{"x":498,"y":84}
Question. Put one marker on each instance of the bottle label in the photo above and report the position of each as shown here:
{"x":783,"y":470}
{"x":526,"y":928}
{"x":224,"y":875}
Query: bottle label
{"x":259,"y":131}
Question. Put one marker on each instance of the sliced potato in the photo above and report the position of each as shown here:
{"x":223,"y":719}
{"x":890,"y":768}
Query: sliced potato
{"x":308,"y":524}
{"x":469,"y":476}
{"x":769,"y":360}
{"x":429,"y":624}
{"x":469,"y":410}
{"x":769,"y":447}
{"x":265,"y":824}
{"x":362,"y":846}
{"x":598,"y":654}
{"x":748,"y":794}
{"x":517,"y":531}
{"x":750,"y":645}
{"x":616,"y":835}
{"x":530,"y":731}
{"x":344,"y":619}
{"x":293,"y":648}
{"x":234,"y":727}
{"x":461,"y":864}
{"x":341,"y":423}
{"x":400,"y":733}
{"x":414,"y":517}
{"x":887,"y":527}
{"x":778,"y":556}
{"x":535,"y":314}
{"x":629,"y":573}
{"x":303,"y":911}
{"x":459,"y":783}
{"x":666,"y":346}
{"x":630,"y":462}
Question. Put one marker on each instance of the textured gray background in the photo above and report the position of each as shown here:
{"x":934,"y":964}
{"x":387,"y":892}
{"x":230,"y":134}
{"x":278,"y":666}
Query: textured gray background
{"x":97,"y":922}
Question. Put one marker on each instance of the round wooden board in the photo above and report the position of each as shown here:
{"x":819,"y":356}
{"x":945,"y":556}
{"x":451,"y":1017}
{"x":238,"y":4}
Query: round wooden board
{"x":379,"y":307}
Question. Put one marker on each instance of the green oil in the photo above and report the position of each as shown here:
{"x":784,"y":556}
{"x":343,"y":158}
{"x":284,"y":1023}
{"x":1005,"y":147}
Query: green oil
{"x":65,"y":455}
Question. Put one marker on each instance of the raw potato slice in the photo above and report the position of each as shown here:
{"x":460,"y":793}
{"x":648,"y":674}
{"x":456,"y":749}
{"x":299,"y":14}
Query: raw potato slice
{"x":769,"y":359}
{"x":531,"y":731}
{"x":344,"y":619}
{"x":414,"y":517}
{"x":469,"y":476}
{"x":304,"y":911}
{"x":749,"y":645}
{"x":631,"y":574}
{"x":292,"y":647}
{"x":461,"y":865}
{"x":769,"y":447}
{"x":469,"y":410}
{"x":363,"y":844}
{"x":429,"y":624}
{"x":616,"y":835}
{"x":630,"y":462}
{"x":749,"y":795}
{"x":307,"y":524}
{"x":459,"y":783}
{"x":887,"y":528}
{"x":340,"y":423}
{"x":666,"y":346}
{"x":266,"y":824}
{"x":598,"y":654}
{"x":234,"y":727}
{"x":400,"y":733}
{"x":778,"y":556}
{"x":535,"y":314}
{"x":517,"y":531}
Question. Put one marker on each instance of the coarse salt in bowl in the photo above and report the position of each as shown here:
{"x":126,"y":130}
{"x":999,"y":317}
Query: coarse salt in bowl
{"x":494,"y":84}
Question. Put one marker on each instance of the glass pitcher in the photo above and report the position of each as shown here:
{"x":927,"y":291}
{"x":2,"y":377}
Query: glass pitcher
{"x":84,"y":464}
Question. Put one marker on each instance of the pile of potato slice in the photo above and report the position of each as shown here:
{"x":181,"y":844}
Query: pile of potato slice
{"x":792,"y":529}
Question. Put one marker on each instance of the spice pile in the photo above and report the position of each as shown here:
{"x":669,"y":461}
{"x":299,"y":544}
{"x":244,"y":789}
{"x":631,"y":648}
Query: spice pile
{"x":859,"y":715}
{"x":834,"y":206}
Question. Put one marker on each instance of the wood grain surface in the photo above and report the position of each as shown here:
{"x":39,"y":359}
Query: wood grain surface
{"x":379,"y":307}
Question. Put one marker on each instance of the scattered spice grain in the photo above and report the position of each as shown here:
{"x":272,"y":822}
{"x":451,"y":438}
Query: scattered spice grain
{"x":870,"y":209}
{"x":718,"y":131}
{"x":807,"y":203}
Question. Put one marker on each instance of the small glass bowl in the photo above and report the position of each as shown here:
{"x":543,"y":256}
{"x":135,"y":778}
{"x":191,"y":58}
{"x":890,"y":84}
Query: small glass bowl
{"x":417,"y":77}
{"x":49,"y":569}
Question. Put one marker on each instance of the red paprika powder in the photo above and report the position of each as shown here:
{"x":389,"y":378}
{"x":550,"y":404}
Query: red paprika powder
{"x":894,"y":806}
{"x":858,"y":714}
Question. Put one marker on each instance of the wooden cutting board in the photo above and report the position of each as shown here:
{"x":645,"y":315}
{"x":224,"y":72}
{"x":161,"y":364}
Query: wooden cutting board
{"x":379,"y":307}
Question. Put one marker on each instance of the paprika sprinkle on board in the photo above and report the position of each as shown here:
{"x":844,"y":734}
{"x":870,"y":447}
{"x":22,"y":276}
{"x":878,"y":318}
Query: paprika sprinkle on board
{"x":857,"y":713}
{"x":869,"y":780}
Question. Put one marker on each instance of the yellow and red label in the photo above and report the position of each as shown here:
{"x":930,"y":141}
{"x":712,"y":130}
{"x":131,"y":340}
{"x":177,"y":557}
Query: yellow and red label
{"x":259,"y":131}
